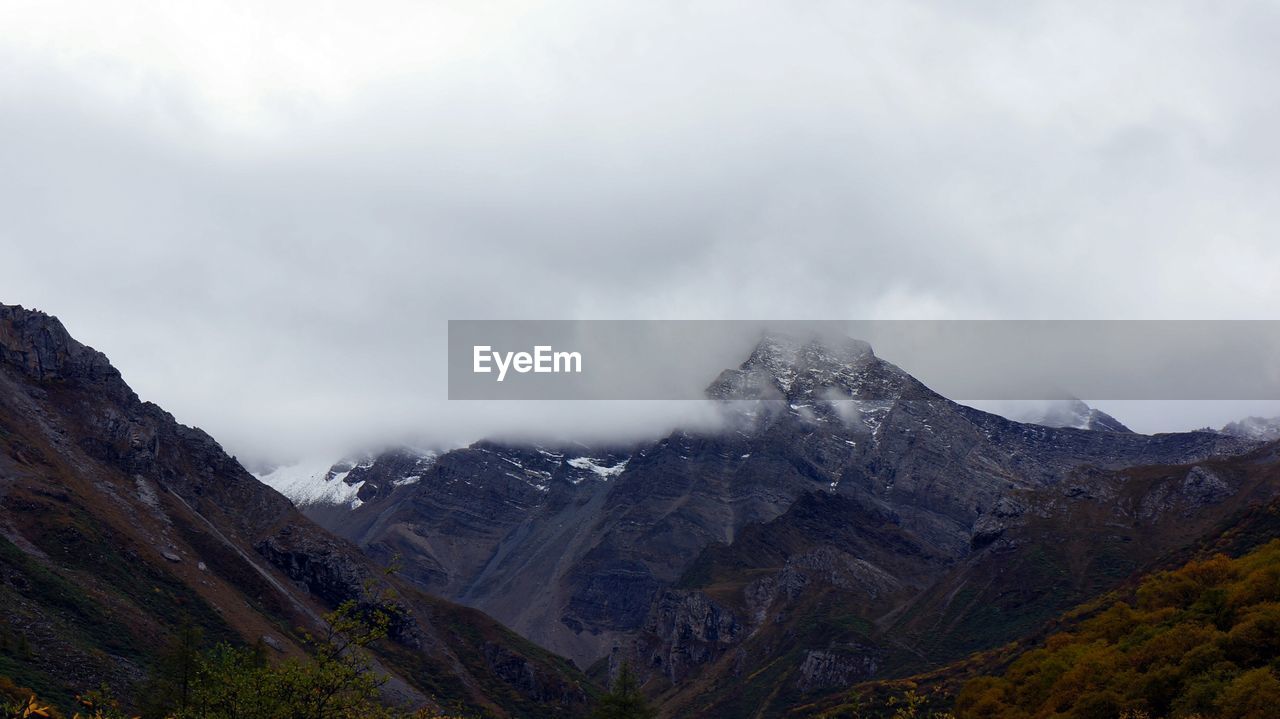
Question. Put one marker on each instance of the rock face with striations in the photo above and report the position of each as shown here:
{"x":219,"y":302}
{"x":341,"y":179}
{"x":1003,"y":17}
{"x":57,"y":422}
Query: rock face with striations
{"x":838,"y":480}
{"x":118,"y":525}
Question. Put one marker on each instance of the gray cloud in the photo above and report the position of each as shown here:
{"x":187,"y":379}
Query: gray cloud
{"x":265,"y":217}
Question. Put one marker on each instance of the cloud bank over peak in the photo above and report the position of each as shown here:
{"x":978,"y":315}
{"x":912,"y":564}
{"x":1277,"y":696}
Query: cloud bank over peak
{"x":265,"y":214}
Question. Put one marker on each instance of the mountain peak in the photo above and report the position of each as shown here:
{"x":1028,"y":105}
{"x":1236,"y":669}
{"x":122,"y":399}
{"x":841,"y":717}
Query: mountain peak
{"x":783,"y":351}
{"x":1075,"y":414}
{"x":789,"y":367}
{"x":1262,"y":428}
{"x":39,"y":345}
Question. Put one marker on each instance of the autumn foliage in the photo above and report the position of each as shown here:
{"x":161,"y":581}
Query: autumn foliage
{"x":1199,"y":641}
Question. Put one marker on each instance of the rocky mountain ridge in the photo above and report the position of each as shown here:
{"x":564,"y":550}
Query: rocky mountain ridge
{"x":118,"y":526}
{"x":1265,"y":429}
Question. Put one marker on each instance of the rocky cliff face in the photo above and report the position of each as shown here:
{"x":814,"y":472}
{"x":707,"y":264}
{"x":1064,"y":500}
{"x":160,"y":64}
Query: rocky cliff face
{"x":118,"y":525}
{"x":838,"y":481}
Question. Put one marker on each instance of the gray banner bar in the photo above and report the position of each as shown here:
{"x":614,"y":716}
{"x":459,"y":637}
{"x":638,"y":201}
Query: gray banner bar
{"x":960,"y":359}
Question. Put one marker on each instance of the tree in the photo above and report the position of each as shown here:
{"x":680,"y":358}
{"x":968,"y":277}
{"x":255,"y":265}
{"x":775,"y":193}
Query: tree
{"x":169,"y":688}
{"x":624,"y":700}
{"x":337,"y":681}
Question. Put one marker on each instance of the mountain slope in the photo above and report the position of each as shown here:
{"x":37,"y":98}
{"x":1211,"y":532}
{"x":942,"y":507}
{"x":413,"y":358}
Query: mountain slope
{"x":118,"y":526}
{"x":814,"y":626}
{"x":1052,"y":667}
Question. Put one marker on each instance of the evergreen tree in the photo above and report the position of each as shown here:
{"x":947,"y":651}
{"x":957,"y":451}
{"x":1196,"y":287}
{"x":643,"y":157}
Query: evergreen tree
{"x":624,"y":700}
{"x":170,"y":686}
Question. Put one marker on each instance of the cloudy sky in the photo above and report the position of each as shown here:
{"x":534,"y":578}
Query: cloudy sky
{"x":264,"y":213}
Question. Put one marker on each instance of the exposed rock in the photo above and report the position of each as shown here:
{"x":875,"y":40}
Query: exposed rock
{"x":328,"y":569}
{"x":532,"y":681}
{"x":829,"y":669}
{"x":616,"y":598}
{"x":842,"y":570}
{"x":691,"y":630}
{"x":1202,"y":487}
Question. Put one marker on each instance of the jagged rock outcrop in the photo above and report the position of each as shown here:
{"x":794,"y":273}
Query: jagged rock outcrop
{"x":691,"y":631}
{"x":823,"y":669}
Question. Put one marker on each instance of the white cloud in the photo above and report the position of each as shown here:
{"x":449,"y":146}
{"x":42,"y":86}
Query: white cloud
{"x":264,"y":212}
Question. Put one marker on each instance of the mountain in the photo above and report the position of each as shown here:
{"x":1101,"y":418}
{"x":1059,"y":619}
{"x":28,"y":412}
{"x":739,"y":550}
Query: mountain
{"x":1127,"y":648}
{"x":845,"y":523}
{"x":1260,"y":428}
{"x":119,"y":527}
{"x":1077,"y":414}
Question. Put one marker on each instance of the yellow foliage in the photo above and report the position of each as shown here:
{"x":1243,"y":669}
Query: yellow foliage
{"x":33,"y":708}
{"x":1199,"y":641}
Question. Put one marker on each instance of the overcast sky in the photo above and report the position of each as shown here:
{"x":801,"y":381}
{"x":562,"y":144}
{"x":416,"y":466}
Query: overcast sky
{"x":264,"y":213}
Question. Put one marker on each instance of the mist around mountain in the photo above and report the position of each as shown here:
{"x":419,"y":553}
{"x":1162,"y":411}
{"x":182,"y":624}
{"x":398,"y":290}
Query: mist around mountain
{"x":1072,"y":413}
{"x":844,"y":532}
{"x":1265,"y":429}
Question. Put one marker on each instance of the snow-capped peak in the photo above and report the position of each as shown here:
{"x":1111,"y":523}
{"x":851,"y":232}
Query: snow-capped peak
{"x":314,"y":482}
{"x":327,"y":482}
{"x":1074,"y":414}
{"x":807,"y":371}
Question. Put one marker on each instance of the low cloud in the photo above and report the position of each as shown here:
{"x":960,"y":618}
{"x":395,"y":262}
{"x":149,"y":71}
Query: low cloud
{"x":265,"y":216}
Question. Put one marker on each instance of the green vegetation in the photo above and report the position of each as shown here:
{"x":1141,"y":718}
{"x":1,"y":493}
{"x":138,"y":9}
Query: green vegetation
{"x":623,"y":700}
{"x":74,"y":540}
{"x":336,"y":681}
{"x":69,"y":611}
{"x":89,"y":617}
{"x":1199,"y":641}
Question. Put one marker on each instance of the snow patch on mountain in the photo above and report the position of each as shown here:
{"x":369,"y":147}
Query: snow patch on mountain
{"x":314,"y":482}
{"x":605,"y":472}
{"x":1260,"y":428}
